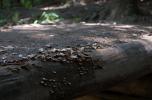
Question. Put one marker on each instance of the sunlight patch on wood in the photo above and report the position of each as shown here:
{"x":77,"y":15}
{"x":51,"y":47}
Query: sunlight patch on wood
{"x":96,"y":24}
{"x":31,"y":27}
{"x":42,"y":36}
{"x":112,"y":25}
{"x":5,"y":30}
{"x":120,"y":29}
{"x":124,"y":26}
{"x":147,"y":37}
{"x":99,"y":39}
{"x":54,"y":7}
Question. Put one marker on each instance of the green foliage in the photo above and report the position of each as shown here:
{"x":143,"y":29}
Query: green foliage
{"x":26,"y":3}
{"x":6,"y":3}
{"x":12,"y":18}
{"x":77,"y":19}
{"x":37,"y":2}
{"x":44,"y":18}
{"x":3,"y":20}
{"x":48,"y":17}
{"x":15,"y":17}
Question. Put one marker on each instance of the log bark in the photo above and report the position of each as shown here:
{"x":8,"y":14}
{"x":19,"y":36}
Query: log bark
{"x":140,"y":88}
{"x":53,"y":80}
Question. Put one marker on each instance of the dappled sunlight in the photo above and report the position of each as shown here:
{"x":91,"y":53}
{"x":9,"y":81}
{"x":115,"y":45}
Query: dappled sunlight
{"x":5,"y":29}
{"x":113,"y":25}
{"x":110,"y":24}
{"x":114,"y":53}
{"x":147,"y":37}
{"x":41,"y":36}
{"x":104,"y":42}
{"x":124,"y":26}
{"x":96,"y":24}
{"x":74,"y":49}
{"x":141,"y":29}
{"x":105,"y":33}
{"x":149,"y":27}
{"x":123,"y":29}
{"x":98,"y":39}
{"x":54,"y":7}
{"x":32,"y":27}
{"x":39,"y":27}
{"x":120,"y":29}
{"x":30,"y":32}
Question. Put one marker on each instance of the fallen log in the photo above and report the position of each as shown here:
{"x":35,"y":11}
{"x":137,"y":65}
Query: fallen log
{"x":47,"y":77}
{"x":139,"y":88}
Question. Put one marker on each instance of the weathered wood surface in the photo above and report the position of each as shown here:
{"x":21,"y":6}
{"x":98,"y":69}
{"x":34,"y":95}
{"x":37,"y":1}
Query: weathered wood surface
{"x":39,"y":79}
{"x":140,"y":88}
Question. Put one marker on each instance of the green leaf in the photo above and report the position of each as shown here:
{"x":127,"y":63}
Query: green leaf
{"x":48,"y":17}
{"x":15,"y":17}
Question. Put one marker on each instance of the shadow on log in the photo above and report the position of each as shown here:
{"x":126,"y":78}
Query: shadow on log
{"x":45,"y":78}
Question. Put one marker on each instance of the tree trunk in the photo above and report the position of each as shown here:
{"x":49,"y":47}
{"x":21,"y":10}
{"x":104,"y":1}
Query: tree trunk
{"x":123,"y":9}
{"x":38,"y":79}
